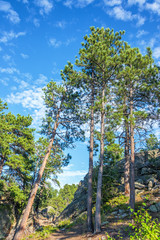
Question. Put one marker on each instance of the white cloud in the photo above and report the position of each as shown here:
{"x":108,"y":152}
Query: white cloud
{"x":60,"y":24}
{"x":24,"y":56}
{"x":4,"y":81}
{"x":69,"y":41}
{"x":31,"y":98}
{"x":45,"y":6}
{"x":156,"y":52}
{"x":77,"y":3}
{"x":23,"y":85}
{"x":140,"y":2}
{"x":74,"y":173}
{"x":53,"y":42}
{"x":11,"y":14}
{"x":8,"y":36}
{"x":42,"y":80}
{"x":120,"y":13}
{"x":141,"y":33}
{"x":112,"y":2}
{"x":6,"y":58}
{"x":140,"y":20}
{"x":36,"y":22}
{"x":154,"y":7}
{"x":9,"y":70}
{"x":152,"y":42}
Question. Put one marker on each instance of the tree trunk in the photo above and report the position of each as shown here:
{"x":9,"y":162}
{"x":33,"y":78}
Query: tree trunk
{"x":20,"y":231}
{"x":132,"y":177}
{"x":1,"y":165}
{"x":100,"y":173}
{"x":127,"y":157}
{"x":90,"y":173}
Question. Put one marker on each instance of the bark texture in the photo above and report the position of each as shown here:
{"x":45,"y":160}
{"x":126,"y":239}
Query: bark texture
{"x":127,"y":156}
{"x":100,"y":173}
{"x":132,"y":163}
{"x":90,"y":173}
{"x":20,"y":231}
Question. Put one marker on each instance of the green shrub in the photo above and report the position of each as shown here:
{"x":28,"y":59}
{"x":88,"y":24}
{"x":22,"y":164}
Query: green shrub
{"x":145,"y":228}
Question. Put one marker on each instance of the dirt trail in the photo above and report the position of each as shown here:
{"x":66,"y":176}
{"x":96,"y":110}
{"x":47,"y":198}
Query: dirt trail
{"x":60,"y":235}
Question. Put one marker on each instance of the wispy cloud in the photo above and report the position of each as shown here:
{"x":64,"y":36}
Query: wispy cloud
{"x":6,"y":58}
{"x":74,"y":173}
{"x":112,"y":3}
{"x":156,"y":52}
{"x":24,"y":56}
{"x":60,"y":24}
{"x":31,"y":98}
{"x":8,"y":36}
{"x":120,"y":13}
{"x":154,"y":7}
{"x":42,"y":80}
{"x":44,"y":5}
{"x":53,"y":42}
{"x":10,"y":13}
{"x":141,"y":33}
{"x":36,"y":22}
{"x":133,"y":2}
{"x":56,"y":43}
{"x":77,"y":3}
{"x":9,"y":70}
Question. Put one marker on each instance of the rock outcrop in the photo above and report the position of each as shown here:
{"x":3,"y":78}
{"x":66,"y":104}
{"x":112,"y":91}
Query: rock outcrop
{"x":79,"y":203}
{"x":6,"y":220}
{"x":147,"y":177}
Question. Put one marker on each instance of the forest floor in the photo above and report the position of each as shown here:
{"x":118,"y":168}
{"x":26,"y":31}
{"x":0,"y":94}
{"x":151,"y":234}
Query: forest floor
{"x":75,"y":234}
{"x":113,"y":227}
{"x":115,"y":230}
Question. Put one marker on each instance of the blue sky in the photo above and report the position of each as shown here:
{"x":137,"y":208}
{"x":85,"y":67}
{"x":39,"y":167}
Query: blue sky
{"x":38,"y":37}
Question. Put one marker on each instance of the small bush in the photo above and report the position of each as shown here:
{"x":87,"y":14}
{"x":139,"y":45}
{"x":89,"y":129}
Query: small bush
{"x":145,"y":228}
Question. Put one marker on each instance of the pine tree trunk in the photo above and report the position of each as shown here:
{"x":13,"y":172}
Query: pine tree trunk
{"x":90,"y":173}
{"x":127,"y":157}
{"x":20,"y":231}
{"x":132,"y":177}
{"x":100,"y":173}
{"x":1,"y":165}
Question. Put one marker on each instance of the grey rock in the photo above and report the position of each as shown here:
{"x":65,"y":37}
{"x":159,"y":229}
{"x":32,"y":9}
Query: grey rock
{"x":139,"y":186}
{"x":104,"y":223}
{"x":158,"y":206}
{"x":47,"y":212}
{"x":6,"y":220}
{"x":140,"y":181}
{"x":121,"y":211}
{"x":153,"y":208}
{"x":137,"y":191}
{"x":124,"y":215}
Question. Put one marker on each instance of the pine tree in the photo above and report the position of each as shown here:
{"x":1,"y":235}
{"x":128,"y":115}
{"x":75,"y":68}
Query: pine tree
{"x":61,"y":126}
{"x":134,"y":80}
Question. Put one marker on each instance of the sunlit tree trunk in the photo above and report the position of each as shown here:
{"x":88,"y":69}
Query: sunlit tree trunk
{"x":127,"y":155}
{"x":100,"y":173}
{"x":132,"y":164}
{"x":90,"y":173}
{"x":20,"y":230}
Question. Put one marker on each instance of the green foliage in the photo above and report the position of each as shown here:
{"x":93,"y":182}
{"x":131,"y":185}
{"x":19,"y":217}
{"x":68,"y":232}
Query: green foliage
{"x":60,"y":200}
{"x":64,"y":223}
{"x":152,"y":142}
{"x":42,"y":233}
{"x":118,"y":202}
{"x":144,"y":226}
